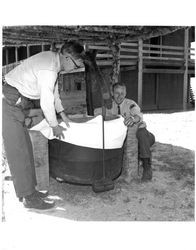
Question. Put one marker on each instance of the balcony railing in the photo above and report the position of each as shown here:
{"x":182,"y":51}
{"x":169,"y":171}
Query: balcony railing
{"x":129,"y":55}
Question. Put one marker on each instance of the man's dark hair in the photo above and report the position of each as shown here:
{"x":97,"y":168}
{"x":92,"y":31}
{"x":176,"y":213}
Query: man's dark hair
{"x":118,"y":84}
{"x":72,"y":47}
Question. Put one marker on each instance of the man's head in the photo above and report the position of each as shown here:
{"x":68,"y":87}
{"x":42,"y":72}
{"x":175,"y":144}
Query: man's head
{"x":70,"y":54}
{"x":119,"y":92}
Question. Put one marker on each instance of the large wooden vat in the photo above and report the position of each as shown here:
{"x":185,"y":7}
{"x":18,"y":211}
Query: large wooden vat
{"x":82,"y":164}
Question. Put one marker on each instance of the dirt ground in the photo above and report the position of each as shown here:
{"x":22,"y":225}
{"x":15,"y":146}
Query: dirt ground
{"x":169,"y":197}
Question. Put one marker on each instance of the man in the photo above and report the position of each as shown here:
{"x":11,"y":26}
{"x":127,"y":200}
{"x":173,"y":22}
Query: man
{"x":132,"y":115}
{"x":33,"y":79}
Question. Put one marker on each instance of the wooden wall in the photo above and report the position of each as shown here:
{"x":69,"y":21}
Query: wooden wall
{"x":160,"y":91}
{"x":170,"y":94}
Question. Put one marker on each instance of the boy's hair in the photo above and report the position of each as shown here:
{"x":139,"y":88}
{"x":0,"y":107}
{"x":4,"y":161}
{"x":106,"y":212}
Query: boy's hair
{"x":72,"y":47}
{"x":118,"y":84}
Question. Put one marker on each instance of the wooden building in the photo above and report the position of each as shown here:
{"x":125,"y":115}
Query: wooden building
{"x":154,"y":62}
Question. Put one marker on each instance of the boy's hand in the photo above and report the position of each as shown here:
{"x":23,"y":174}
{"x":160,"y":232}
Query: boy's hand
{"x":129,"y":121}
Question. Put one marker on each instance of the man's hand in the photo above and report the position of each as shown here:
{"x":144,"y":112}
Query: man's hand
{"x":65,"y":119}
{"x":58,"y":131}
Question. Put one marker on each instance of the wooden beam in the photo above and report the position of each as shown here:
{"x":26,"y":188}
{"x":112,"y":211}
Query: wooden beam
{"x":28,"y":51}
{"x":185,"y":84}
{"x":140,"y":73}
{"x":164,"y":71}
{"x":157,"y":91}
{"x":42,"y":47}
{"x":163,"y":47}
{"x":163,"y":58}
{"x":6,"y":56}
{"x":16,"y":54}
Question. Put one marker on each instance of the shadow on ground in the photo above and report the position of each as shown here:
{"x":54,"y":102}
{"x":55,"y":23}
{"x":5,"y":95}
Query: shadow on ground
{"x":168,"y":197}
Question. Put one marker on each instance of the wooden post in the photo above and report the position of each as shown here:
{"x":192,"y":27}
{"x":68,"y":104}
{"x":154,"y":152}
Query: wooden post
{"x":185,"y":85}
{"x":157,"y":91}
{"x":6,"y":56}
{"x":115,"y":49}
{"x":16,"y":54}
{"x":28,"y":51}
{"x":42,"y":47}
{"x":140,"y":72}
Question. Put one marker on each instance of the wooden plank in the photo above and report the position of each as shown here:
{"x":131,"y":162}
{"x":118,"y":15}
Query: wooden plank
{"x":140,"y":73}
{"x":129,"y":44}
{"x":164,"y":71}
{"x":132,"y":62}
{"x":121,"y":56}
{"x":109,"y":62}
{"x":163,"y":52}
{"x":163,"y":58}
{"x":104,"y":56}
{"x":128,"y":57}
{"x":164,"y":47}
{"x":129,"y":50}
{"x":185,"y":82}
{"x":191,"y":54}
{"x":98,"y":47}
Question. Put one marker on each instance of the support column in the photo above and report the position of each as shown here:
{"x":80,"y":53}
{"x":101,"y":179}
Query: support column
{"x":6,"y":56}
{"x":16,"y":54}
{"x":140,"y":72}
{"x":42,"y":47}
{"x":185,"y":85}
{"x":115,"y":49}
{"x":28,"y":51}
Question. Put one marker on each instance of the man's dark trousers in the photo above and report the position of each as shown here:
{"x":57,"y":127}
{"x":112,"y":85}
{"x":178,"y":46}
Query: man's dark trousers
{"x":17,"y":143}
{"x":145,"y":141}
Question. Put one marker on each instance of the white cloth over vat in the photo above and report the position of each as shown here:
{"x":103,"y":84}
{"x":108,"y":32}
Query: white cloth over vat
{"x":89,"y":134}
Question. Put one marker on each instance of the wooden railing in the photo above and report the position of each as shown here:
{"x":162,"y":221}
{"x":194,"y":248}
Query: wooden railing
{"x":129,"y":54}
{"x":7,"y":68}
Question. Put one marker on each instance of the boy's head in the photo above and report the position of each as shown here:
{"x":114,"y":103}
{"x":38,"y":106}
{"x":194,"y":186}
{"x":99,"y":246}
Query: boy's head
{"x":119,"y":92}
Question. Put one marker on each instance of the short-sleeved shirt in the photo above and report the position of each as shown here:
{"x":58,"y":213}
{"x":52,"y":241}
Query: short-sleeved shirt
{"x":127,"y":108}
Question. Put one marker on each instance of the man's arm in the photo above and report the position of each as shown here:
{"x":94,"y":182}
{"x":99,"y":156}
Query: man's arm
{"x":59,"y":107}
{"x":46,"y":81}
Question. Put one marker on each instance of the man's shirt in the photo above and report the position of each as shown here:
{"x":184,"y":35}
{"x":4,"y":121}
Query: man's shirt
{"x":127,"y":108}
{"x":36,"y":78}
